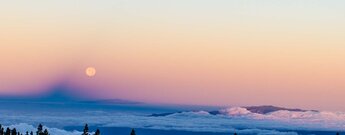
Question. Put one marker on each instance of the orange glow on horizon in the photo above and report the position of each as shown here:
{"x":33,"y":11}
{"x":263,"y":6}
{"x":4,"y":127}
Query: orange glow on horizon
{"x":288,"y":53}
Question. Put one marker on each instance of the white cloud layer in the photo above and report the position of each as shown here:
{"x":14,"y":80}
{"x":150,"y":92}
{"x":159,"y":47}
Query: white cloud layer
{"x":232,"y":119}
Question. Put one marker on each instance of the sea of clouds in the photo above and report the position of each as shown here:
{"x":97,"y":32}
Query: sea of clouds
{"x":231,"y":119}
{"x":23,"y":128}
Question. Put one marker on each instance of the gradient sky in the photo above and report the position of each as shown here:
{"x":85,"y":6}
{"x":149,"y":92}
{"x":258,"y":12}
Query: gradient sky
{"x":225,"y":52}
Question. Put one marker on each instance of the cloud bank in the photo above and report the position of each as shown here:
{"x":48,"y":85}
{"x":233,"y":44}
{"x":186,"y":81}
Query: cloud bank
{"x":231,"y":119}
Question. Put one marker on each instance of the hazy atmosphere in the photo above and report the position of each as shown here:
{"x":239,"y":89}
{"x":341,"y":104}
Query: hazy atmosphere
{"x":226,"y":52}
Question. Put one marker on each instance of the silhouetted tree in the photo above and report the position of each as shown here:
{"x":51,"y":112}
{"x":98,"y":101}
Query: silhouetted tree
{"x":235,"y":133}
{"x":45,"y":132}
{"x":27,"y":133}
{"x":97,"y":132}
{"x":133,"y":132}
{"x":39,"y":130}
{"x":31,"y":133}
{"x":338,"y":133}
{"x":86,"y":130}
{"x":1,"y":130}
{"x":14,"y":131}
{"x":8,"y":131}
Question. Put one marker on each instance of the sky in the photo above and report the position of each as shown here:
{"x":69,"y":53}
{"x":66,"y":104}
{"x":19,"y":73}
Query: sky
{"x":225,"y":52}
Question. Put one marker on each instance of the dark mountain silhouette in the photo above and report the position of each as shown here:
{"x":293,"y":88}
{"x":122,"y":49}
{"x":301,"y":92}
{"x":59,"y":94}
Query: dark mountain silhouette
{"x":254,"y":109}
{"x":269,"y":108}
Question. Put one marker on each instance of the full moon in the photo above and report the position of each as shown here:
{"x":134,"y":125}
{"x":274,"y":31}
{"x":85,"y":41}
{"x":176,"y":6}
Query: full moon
{"x":90,"y":71}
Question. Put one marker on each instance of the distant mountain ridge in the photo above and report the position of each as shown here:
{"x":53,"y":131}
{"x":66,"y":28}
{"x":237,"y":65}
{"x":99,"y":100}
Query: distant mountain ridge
{"x":265,"y":109}
{"x":269,"y":108}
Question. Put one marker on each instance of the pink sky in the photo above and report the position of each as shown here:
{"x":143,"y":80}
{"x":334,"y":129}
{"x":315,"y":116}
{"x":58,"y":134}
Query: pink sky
{"x":288,"y":53}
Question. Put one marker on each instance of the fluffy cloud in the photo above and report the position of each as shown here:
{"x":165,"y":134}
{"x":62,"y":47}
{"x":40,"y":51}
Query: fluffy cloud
{"x":232,"y":119}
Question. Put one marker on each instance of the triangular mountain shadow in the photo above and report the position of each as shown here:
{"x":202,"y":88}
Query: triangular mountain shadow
{"x":59,"y":93}
{"x":63,"y":94}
